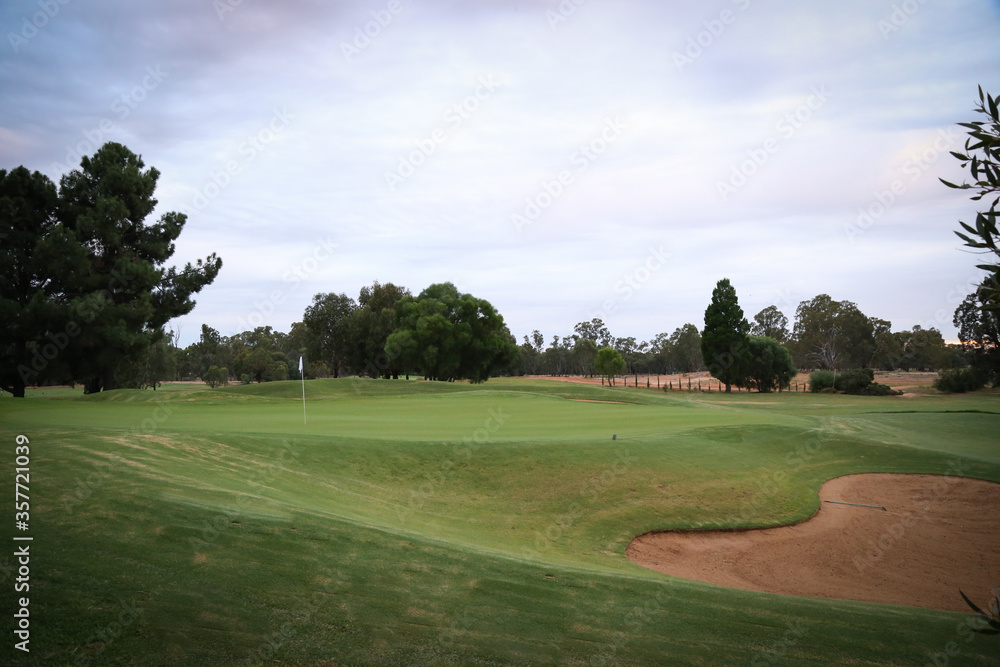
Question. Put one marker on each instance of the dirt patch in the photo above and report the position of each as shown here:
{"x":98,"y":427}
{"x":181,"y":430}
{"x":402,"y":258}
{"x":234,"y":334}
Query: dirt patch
{"x":937,"y":536}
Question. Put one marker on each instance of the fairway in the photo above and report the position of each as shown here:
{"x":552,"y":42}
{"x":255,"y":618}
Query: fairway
{"x":422,"y":523}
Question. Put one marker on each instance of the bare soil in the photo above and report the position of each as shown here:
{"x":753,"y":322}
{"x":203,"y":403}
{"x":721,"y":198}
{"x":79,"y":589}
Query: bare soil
{"x":938,"y":535}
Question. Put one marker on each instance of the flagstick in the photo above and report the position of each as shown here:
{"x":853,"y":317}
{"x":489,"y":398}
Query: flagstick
{"x":303,"y":376}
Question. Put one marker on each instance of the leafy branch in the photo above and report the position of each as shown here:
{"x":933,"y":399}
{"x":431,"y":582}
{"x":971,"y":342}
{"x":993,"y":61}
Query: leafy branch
{"x":992,"y":618}
{"x":982,"y":159}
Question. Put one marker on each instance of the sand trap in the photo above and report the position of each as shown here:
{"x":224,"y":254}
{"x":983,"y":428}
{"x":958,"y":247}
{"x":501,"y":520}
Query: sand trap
{"x":938,"y":535}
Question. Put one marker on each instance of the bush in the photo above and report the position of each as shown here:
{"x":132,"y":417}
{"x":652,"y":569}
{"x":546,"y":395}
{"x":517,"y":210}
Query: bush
{"x":854,"y":381}
{"x":216,"y":377}
{"x":820,"y":380}
{"x":876,"y":389}
{"x":959,"y":381}
{"x":768,"y":365}
{"x":246,"y":379}
{"x":857,"y":381}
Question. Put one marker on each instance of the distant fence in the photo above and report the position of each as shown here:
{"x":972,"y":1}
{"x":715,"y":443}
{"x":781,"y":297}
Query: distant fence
{"x":700,"y":384}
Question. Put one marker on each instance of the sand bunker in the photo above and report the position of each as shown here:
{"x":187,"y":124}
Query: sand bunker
{"x":938,"y":535}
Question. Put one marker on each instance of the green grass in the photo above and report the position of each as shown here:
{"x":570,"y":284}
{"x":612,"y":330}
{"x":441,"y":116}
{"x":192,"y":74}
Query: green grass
{"x":450,"y":524}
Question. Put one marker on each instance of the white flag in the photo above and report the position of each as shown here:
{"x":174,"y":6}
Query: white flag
{"x":300,"y":364}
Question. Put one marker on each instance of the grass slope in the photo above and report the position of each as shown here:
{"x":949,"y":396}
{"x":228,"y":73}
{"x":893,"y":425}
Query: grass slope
{"x":450,"y":524}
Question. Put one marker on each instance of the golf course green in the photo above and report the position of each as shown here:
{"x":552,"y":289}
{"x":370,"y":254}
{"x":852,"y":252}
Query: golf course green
{"x":424,"y":523}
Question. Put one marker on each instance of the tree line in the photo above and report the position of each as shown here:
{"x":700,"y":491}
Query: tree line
{"x":386,"y":332}
{"x":85,"y":298}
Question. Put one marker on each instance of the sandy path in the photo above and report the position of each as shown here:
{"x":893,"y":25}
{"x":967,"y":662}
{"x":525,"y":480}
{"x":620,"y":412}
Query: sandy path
{"x":938,"y":535}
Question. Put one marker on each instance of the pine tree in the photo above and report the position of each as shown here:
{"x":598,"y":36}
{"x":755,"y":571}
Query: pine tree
{"x":125,"y":296}
{"x":724,"y":340}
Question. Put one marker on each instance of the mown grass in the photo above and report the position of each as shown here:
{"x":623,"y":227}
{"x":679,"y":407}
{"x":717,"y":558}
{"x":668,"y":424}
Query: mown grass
{"x":451,"y":524}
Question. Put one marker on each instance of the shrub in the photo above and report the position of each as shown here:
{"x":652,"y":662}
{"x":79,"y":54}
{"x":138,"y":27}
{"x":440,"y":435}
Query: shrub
{"x":857,"y":381}
{"x":768,"y":365}
{"x":216,"y":377}
{"x":959,"y":381}
{"x":854,"y":381}
{"x":876,"y":389}
{"x":246,"y":378}
{"x":820,"y":380}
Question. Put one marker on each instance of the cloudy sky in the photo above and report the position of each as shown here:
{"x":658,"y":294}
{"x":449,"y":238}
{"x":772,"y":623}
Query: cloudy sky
{"x":563,"y":160}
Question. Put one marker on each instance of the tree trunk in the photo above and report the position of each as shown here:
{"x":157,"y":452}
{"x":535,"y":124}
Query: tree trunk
{"x":108,"y":381}
{"x":729,"y":388}
{"x":17,"y":389}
